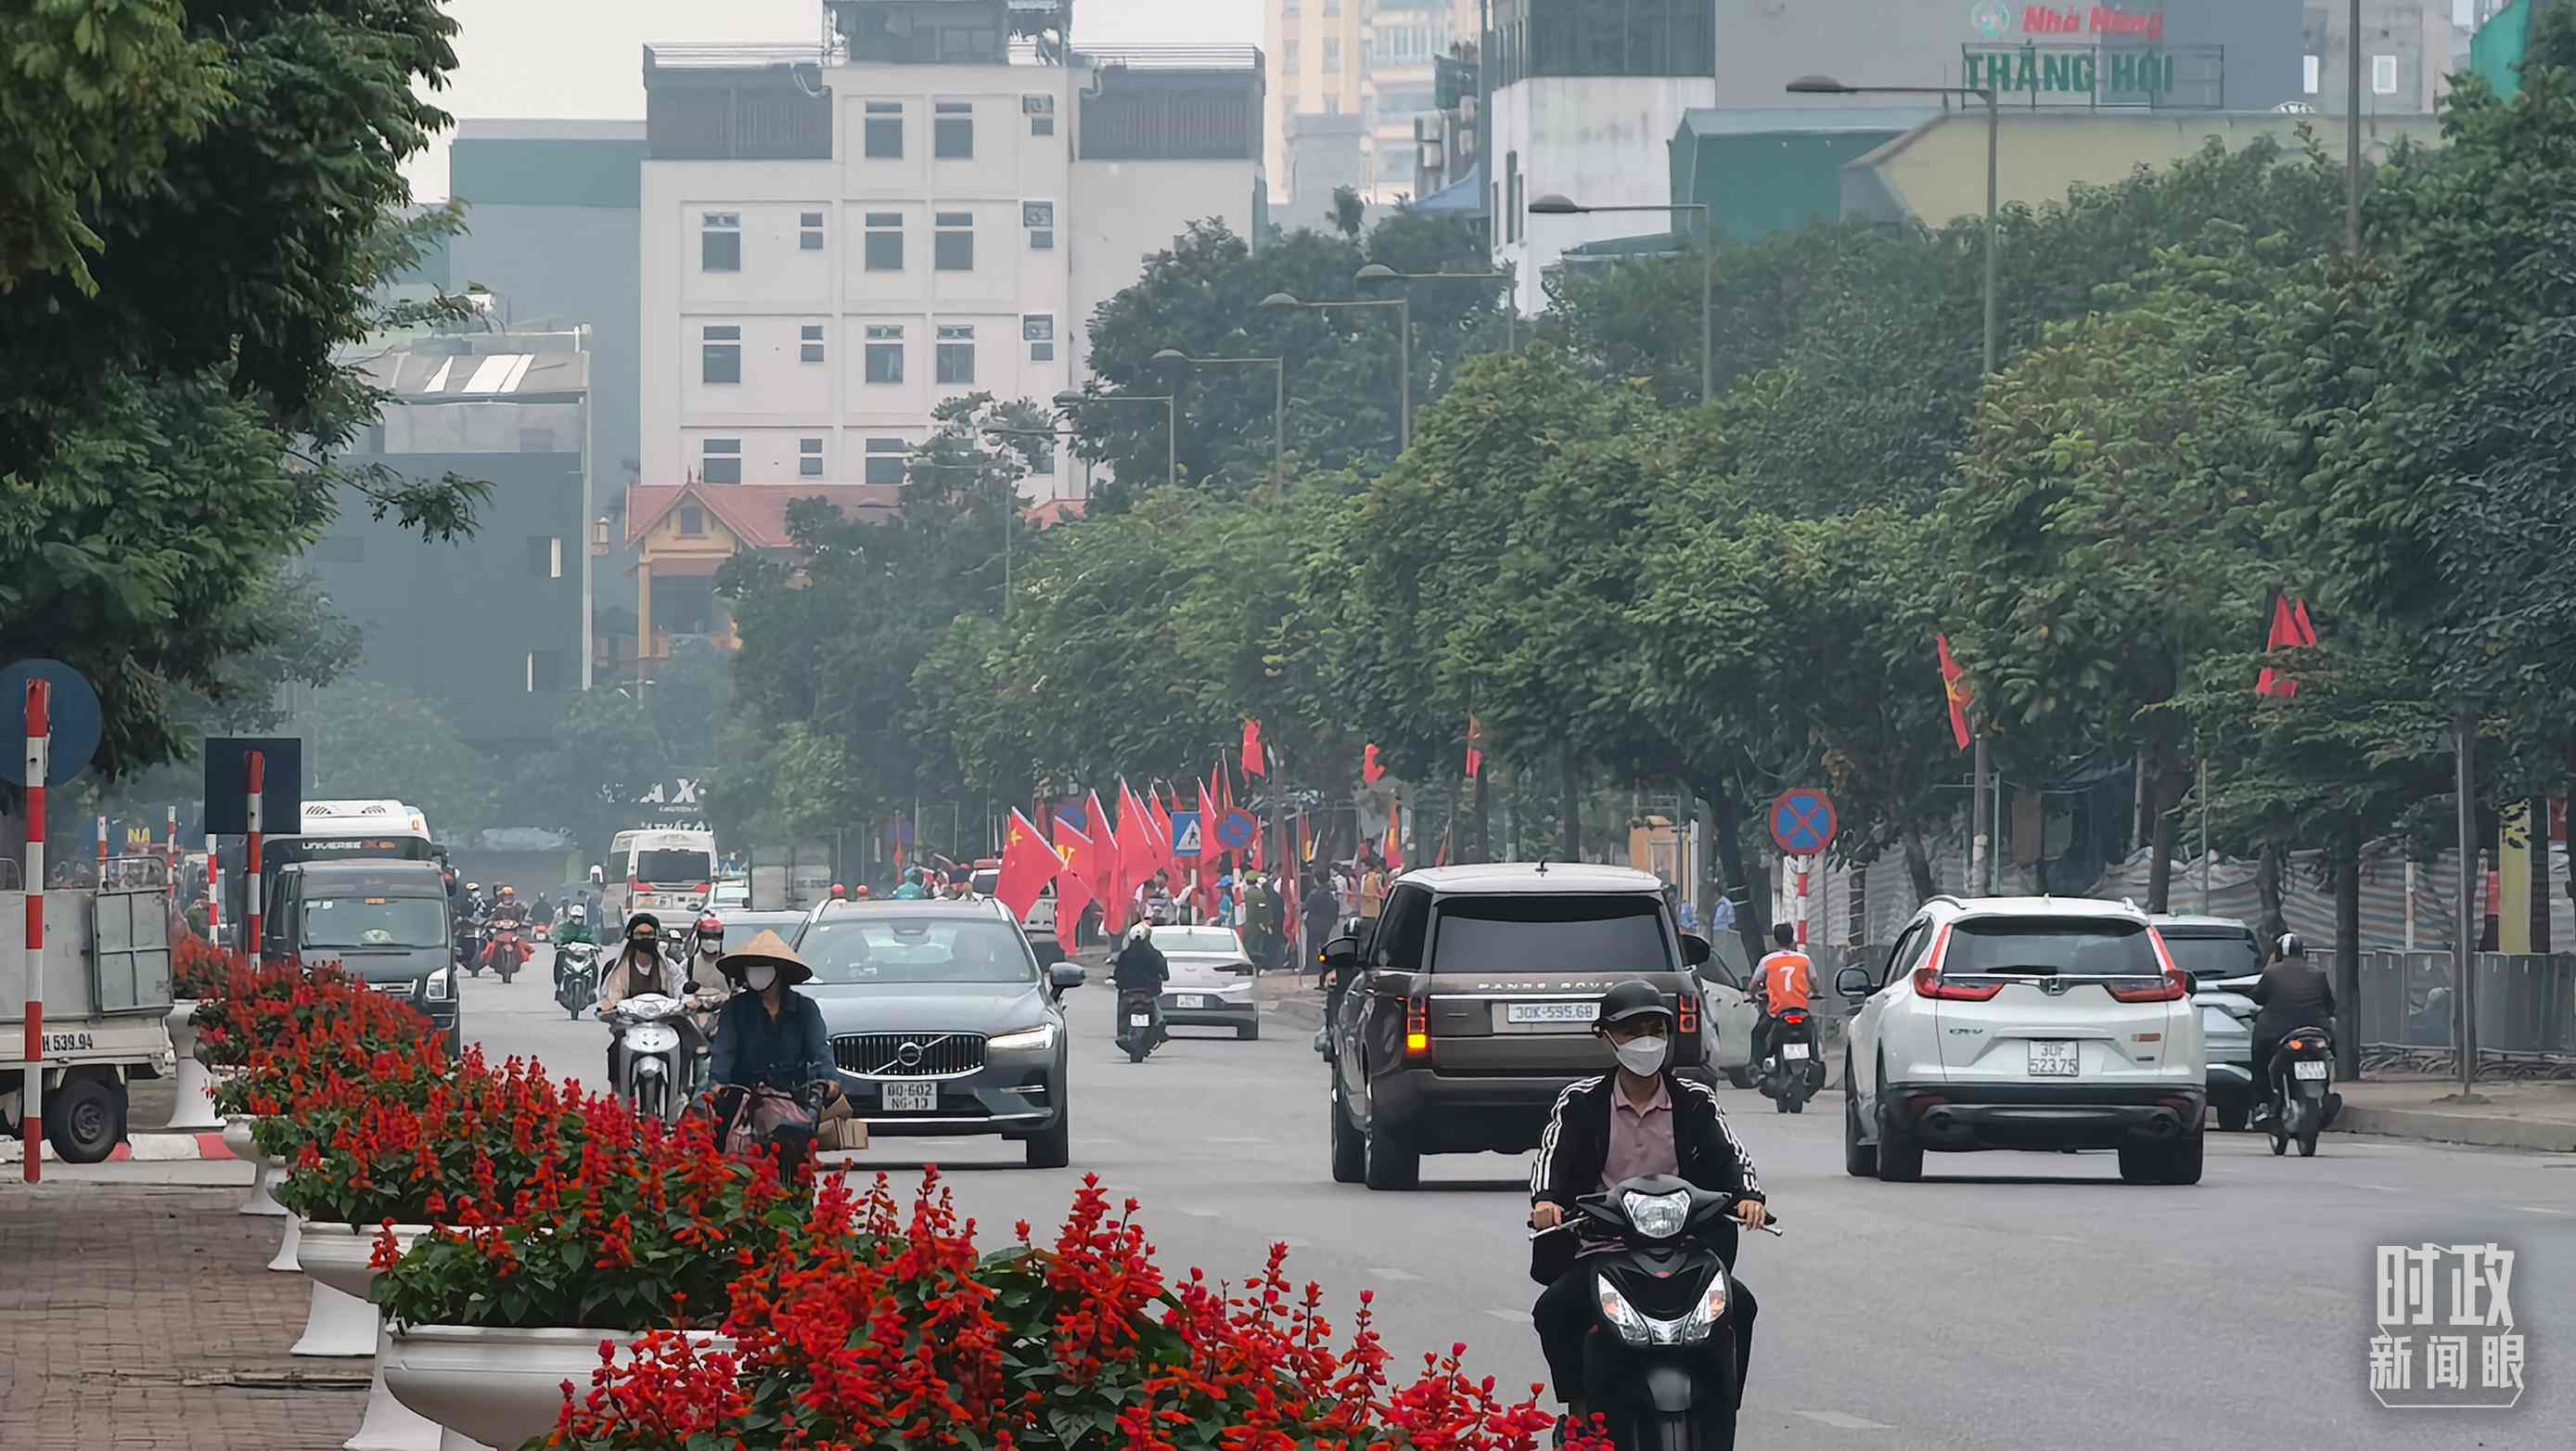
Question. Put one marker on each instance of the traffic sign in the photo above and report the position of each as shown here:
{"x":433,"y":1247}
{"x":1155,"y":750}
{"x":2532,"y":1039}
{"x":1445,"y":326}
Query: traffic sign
{"x":72,"y":714}
{"x":1802,"y":821}
{"x":1185,"y":834}
{"x":1236,"y":829}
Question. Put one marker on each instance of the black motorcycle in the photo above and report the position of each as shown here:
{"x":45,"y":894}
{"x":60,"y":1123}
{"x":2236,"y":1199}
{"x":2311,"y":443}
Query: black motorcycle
{"x":1659,"y":1361}
{"x":1140,"y":1023}
{"x":2302,"y":1067}
{"x":471,"y":938}
{"x":576,"y":977}
{"x":1790,"y":1070}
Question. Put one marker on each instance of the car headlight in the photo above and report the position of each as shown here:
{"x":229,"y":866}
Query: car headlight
{"x":1638,"y":1328}
{"x":1657,"y":1216}
{"x":1041,"y":1036}
{"x":441,"y":983}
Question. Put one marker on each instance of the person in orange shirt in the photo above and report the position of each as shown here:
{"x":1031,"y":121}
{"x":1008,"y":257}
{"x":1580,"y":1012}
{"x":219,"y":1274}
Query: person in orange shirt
{"x":1784,"y":979}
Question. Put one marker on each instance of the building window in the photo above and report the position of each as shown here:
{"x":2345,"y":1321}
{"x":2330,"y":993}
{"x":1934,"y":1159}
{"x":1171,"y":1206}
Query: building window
{"x":884,"y":128}
{"x":809,"y":347}
{"x":1037,"y":329}
{"x":1332,"y":7}
{"x":2309,"y":65}
{"x":545,"y":556}
{"x":956,"y":355}
{"x":720,"y":355}
{"x":1287,"y":7}
{"x":952,"y":245}
{"x":809,"y":231}
{"x":720,"y":242}
{"x":546,"y":671}
{"x":2383,"y":75}
{"x":1332,"y":103}
{"x":1039,"y":218}
{"x":885,"y":354}
{"x":693,"y":522}
{"x":809,"y":458}
{"x":952,"y":131}
{"x":720,"y":461}
{"x":885,"y":460}
{"x":885,"y":241}
{"x":1041,"y":113}
{"x":1332,"y":52}
{"x":1288,"y":56}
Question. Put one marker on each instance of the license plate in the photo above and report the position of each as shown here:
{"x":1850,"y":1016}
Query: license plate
{"x":1793,"y":1051}
{"x":1191,"y":1000}
{"x":910,"y":1097}
{"x":2309,"y":1068}
{"x":1551,"y":1012}
{"x":1140,"y":1020}
{"x":2054,"y":1059}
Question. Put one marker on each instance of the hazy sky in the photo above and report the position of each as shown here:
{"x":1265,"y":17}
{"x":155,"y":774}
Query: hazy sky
{"x":585,"y":58}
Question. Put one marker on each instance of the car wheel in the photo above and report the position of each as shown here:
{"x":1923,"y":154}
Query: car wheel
{"x":1859,"y":1160}
{"x":1900,"y":1154}
{"x":1740,"y":1077}
{"x":84,"y":1118}
{"x":2183,"y":1158}
{"x":1390,"y":1162}
{"x":1350,"y":1151}
{"x":1054,"y":1148}
{"x":2233,"y":1120}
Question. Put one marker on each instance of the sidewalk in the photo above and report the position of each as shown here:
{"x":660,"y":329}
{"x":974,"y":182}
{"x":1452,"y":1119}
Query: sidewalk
{"x":2533,"y":1116}
{"x":142,"y":1318}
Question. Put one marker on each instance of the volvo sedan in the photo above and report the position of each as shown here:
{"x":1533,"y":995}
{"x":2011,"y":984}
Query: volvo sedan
{"x":944,"y":1020}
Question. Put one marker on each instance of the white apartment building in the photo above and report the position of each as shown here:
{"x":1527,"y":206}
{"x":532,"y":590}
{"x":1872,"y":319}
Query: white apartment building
{"x":1372,"y":59}
{"x":837,"y":239}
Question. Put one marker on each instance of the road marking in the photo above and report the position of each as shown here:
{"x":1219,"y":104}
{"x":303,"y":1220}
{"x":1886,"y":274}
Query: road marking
{"x":1841,"y":1422}
{"x":1390,"y":1272}
{"x":2381,"y":1188}
{"x":1195,"y":1212}
{"x":1244,"y":1139}
{"x":2537,"y":1209}
{"x":1511,"y":1317}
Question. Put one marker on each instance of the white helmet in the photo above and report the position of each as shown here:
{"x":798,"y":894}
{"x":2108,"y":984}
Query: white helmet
{"x":596,"y":875}
{"x":1140,"y":932}
{"x":578,"y":912}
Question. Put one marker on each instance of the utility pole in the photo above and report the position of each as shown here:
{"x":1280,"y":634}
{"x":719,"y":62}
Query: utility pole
{"x":2352,"y":138}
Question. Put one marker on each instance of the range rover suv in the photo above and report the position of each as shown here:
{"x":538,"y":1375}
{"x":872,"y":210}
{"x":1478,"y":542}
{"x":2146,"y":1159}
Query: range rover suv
{"x":1468,"y":1009}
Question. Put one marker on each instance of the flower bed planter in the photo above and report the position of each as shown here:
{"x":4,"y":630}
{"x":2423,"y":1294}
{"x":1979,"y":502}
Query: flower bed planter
{"x":498,"y":1387}
{"x":339,"y":1260}
{"x":196,"y":1086}
{"x":264,"y":1172}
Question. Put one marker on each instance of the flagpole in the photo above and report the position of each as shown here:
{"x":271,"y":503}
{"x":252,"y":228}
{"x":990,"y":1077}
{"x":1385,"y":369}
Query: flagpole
{"x":1977,"y":844}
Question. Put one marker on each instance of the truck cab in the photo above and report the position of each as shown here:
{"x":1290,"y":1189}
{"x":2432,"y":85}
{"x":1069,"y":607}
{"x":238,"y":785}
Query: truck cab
{"x":106,"y":995}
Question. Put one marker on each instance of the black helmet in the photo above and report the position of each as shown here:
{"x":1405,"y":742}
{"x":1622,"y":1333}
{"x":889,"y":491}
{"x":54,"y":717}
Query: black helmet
{"x":2291,"y":946}
{"x":1633,"y":1000}
{"x":643,"y":919}
{"x":1784,"y":934}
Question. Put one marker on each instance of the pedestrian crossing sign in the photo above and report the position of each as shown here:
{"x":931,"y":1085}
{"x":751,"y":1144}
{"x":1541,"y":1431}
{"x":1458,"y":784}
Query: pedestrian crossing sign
{"x":1185,"y":833}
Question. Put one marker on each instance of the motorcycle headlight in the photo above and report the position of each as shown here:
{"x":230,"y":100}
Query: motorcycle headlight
{"x":441,"y":983}
{"x":1633,"y":1327}
{"x":1657,"y":1216}
{"x":1041,"y":1036}
{"x":1638,"y":1328}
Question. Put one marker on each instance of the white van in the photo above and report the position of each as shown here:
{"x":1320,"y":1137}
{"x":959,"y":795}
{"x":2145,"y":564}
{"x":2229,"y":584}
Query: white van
{"x":660,"y":872}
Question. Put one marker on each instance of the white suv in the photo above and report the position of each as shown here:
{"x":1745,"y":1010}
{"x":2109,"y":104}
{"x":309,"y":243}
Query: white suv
{"x":2024,"y":1023}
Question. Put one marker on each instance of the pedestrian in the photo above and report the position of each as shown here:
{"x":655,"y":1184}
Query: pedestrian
{"x":1372,"y":889}
{"x":1323,"y":910}
{"x":1258,"y":920}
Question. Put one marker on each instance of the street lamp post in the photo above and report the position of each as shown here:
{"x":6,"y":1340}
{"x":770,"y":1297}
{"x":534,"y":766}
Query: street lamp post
{"x":1403,"y":348}
{"x":1278,"y":406}
{"x":1380,"y":272}
{"x":1978,"y":855}
{"x":1555,"y":204}
{"x":1011,"y":520}
{"x":1069,"y":401}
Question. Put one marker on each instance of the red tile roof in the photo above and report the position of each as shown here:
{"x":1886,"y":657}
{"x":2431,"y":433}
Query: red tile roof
{"x":756,"y":513}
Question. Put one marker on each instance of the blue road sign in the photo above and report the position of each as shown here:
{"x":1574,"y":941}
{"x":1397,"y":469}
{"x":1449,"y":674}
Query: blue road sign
{"x":73,"y":715}
{"x":1185,"y":834}
{"x":1802,"y":821}
{"x":1236,"y":829}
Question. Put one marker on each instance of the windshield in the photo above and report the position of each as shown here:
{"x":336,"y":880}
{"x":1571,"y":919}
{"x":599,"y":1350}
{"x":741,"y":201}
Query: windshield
{"x":1197,"y":939}
{"x":1552,"y":933}
{"x":364,"y":922}
{"x":2215,"y":957}
{"x":678,"y":867}
{"x":2050,"y":945}
{"x":888,"y":949}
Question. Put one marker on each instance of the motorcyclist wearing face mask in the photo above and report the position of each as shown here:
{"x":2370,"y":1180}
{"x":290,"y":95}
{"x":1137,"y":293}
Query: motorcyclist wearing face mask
{"x":641,"y":968}
{"x":769,"y":1034}
{"x":1641,"y":1118}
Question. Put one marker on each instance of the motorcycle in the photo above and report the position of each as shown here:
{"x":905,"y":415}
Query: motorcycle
{"x":576,"y":977}
{"x":471,"y":939}
{"x":1791,"y":1072}
{"x":1142,"y":1029}
{"x":1659,"y":1362}
{"x":649,"y":1043}
{"x":2302,"y":1106}
{"x":506,"y":954}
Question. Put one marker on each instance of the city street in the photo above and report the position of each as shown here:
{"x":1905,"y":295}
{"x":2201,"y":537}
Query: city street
{"x":2018,"y":1299}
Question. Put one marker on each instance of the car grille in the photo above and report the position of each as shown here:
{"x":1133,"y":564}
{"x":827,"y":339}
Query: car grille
{"x":930,"y":1055}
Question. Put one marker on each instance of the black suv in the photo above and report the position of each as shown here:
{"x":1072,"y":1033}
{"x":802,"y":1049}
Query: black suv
{"x":1458,"y":1020}
{"x":384,"y":922}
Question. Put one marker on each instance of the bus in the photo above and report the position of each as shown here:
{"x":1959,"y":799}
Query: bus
{"x":382,"y":829}
{"x":651,"y":870}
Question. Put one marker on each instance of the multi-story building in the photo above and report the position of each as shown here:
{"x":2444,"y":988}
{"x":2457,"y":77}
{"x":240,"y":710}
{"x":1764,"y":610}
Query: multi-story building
{"x":2406,"y":56}
{"x":1374,"y":59}
{"x":838,"y":239}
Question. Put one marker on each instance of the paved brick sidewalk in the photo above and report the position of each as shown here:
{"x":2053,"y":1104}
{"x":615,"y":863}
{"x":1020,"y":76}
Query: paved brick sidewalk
{"x":141,"y":1318}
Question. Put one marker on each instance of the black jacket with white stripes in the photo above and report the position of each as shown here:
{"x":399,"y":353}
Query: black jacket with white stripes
{"x":1577,"y":1142}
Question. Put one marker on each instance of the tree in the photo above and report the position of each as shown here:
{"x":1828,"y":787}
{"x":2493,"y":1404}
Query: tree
{"x":367,"y":740}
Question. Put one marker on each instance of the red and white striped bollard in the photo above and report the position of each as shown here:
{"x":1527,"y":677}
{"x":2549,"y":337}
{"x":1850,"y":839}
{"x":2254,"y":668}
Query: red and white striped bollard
{"x":31,"y":1092}
{"x":250,"y":920}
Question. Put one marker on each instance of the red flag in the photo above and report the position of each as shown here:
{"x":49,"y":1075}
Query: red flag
{"x":1254,"y":852}
{"x":1370,"y":770}
{"x":1475,"y":747}
{"x":2290,"y":631}
{"x":1163,"y":829}
{"x":1107,"y":867}
{"x":1954,"y":684}
{"x":1255,"y":763}
{"x":1136,"y":855}
{"x":1394,"y":852}
{"x":1305,"y":840}
{"x":1028,"y":864}
{"x":1073,"y":890}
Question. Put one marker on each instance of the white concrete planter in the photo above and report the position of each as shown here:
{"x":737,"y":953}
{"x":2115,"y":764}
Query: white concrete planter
{"x":497,"y":1388}
{"x":196,"y":1086}
{"x":285,"y":1261}
{"x":264,"y":1173}
{"x":338,"y":1259}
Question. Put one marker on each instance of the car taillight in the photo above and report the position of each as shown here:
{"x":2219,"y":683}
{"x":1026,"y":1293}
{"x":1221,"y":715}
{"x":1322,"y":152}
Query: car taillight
{"x":1417,"y":1027}
{"x":1929,"y":983}
{"x":2169,"y":987}
{"x":1689,"y":1022}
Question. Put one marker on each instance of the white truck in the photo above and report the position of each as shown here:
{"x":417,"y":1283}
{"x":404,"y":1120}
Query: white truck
{"x":106,"y":1005}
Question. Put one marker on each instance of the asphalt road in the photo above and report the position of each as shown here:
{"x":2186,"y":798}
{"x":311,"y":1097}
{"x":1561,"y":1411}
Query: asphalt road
{"x":2008,"y":1300}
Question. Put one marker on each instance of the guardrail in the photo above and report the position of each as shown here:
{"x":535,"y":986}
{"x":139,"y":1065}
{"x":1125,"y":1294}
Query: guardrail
{"x":2526,"y":1002}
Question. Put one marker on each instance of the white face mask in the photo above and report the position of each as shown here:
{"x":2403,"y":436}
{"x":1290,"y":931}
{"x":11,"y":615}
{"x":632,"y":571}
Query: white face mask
{"x":1642,"y":1056}
{"x":759,"y":976}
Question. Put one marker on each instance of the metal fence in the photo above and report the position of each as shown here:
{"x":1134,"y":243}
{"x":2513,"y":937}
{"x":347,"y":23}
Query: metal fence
{"x":2526,"y":1003}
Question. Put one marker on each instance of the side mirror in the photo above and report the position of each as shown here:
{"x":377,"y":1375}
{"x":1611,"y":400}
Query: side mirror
{"x":1049,"y":951}
{"x":1064,"y":977}
{"x":1341,"y":952}
{"x":1695,"y":949}
{"x":1852,"y":982}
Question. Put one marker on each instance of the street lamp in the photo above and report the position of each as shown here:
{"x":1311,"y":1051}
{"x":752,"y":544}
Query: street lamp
{"x":1011,"y":520}
{"x":1069,"y":401}
{"x":1978,"y":854}
{"x":1557,"y":204}
{"x":1380,"y":272}
{"x":1169,"y":357}
{"x":1403,"y":348}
